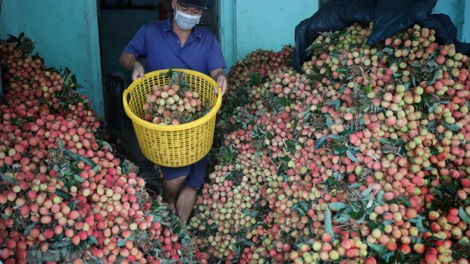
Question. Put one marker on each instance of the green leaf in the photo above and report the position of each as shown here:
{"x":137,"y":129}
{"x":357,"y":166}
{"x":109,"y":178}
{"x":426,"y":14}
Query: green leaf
{"x":369,"y":88}
{"x":405,"y":201}
{"x":86,"y":160}
{"x":93,"y":240}
{"x":304,"y":206}
{"x":434,"y":77}
{"x":388,"y":50}
{"x":61,"y":244}
{"x":71,"y":154}
{"x":329,"y":123}
{"x":299,"y":209}
{"x":8,"y":179}
{"x":418,"y":221}
{"x":335,"y":103}
{"x":320,"y":142}
{"x":367,"y":192}
{"x":381,"y":249}
{"x":339,"y":150}
{"x":290,"y":145}
{"x":351,"y":156}
{"x":336,"y":206}
{"x":452,"y":127}
{"x":39,"y":256}
{"x":250,"y":213}
{"x":16,"y":122}
{"x":255,"y":78}
{"x":73,"y":204}
{"x":106,"y":144}
{"x":463,"y":215}
{"x":431,"y":109}
{"x":372,"y":225}
{"x":344,"y":216}
{"x":388,"y":257}
{"x":281,"y":101}
{"x":269,"y":135}
{"x":329,"y":224}
{"x":337,"y":138}
{"x":361,"y":220}
{"x":28,"y":229}
{"x":397,"y":142}
{"x":60,"y":144}
{"x":50,"y":255}
{"x":78,"y":178}
{"x":407,"y":85}
{"x":121,"y":242}
{"x":63,"y":195}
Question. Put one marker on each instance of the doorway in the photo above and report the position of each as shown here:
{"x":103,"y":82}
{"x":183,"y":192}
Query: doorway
{"x":119,"y":20}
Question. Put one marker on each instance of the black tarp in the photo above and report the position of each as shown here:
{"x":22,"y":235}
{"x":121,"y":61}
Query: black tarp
{"x":392,"y":17}
{"x":389,"y":17}
{"x":332,"y":16}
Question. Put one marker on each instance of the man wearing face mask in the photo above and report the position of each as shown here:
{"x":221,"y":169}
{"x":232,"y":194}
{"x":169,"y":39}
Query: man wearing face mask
{"x":179,"y":43}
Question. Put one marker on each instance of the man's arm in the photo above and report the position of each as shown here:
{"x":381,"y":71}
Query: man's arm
{"x":219,"y":76}
{"x":129,"y":61}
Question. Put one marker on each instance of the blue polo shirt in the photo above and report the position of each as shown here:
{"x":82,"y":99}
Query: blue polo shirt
{"x":161,"y":47}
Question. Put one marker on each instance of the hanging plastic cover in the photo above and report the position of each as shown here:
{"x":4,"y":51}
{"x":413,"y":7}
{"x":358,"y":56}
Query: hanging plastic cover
{"x":332,"y":16}
{"x":394,"y":16}
{"x":446,"y":31}
{"x":462,"y":47}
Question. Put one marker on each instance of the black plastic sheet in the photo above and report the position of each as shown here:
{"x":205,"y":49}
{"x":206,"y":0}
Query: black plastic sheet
{"x":389,"y":16}
{"x":332,"y":16}
{"x":446,"y":31}
{"x":392,"y":17}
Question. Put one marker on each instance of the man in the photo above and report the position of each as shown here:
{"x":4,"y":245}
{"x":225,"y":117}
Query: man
{"x":178,"y":43}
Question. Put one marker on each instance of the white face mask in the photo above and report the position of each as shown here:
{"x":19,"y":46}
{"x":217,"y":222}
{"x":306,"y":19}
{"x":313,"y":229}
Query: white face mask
{"x":185,"y":21}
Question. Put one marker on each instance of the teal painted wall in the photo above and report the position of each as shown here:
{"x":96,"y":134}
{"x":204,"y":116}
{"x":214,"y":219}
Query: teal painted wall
{"x":66,"y":32}
{"x":66,"y":35}
{"x":457,"y":10}
{"x":247,"y":25}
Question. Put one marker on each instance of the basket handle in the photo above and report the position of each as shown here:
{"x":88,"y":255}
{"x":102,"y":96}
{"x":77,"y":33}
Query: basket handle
{"x":124,"y":98}
{"x":127,"y":92}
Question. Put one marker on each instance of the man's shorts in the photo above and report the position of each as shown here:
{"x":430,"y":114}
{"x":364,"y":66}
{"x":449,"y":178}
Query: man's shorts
{"x":195,"y":172}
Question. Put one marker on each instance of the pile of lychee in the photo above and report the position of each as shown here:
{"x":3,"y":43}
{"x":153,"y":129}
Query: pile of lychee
{"x":173,"y":104}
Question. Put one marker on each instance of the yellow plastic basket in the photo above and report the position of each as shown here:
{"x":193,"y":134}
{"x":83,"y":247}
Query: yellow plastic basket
{"x":173,"y":145}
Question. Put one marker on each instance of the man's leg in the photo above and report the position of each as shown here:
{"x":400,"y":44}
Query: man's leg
{"x":185,"y":202}
{"x":187,"y":197}
{"x":173,"y":181}
{"x":171,"y":190}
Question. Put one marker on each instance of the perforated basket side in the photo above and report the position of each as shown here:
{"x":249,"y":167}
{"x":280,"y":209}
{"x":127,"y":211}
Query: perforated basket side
{"x":179,"y":145}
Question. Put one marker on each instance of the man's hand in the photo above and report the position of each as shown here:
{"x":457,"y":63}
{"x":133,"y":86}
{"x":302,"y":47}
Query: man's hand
{"x":138,"y":71}
{"x":222,"y":82}
{"x":219,"y":77}
{"x":129,"y":61}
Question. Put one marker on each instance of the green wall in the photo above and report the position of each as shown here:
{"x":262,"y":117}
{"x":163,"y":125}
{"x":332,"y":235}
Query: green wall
{"x":66,"y":35}
{"x":67,"y":32}
{"x":247,"y":25}
{"x":457,"y":10}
